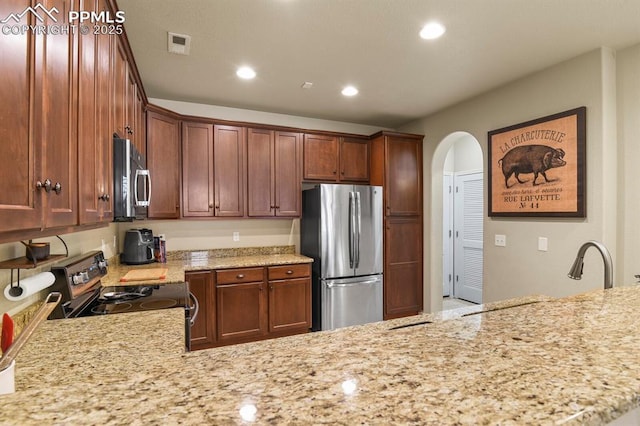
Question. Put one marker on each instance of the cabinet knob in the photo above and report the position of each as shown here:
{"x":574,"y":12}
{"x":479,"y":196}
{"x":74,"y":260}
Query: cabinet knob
{"x":57,"y":188}
{"x":218,"y":206}
{"x":240,"y":276}
{"x":289,"y":272}
{"x":129,"y":130}
{"x":342,"y":172}
{"x":210,"y":205}
{"x":46,"y":185}
{"x":104,"y":197}
{"x":335,"y":172}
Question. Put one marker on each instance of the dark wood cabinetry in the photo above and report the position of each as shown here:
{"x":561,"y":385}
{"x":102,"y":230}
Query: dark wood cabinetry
{"x":273,"y":173}
{"x":403,"y":266}
{"x":241,"y":305}
{"x":246,"y":304}
{"x":336,"y":159}
{"x":396,"y":164}
{"x":95,"y":158}
{"x":203,"y":331}
{"x":228,"y":168}
{"x":163,"y":162}
{"x":354,"y":159}
{"x":212,"y":170}
{"x":289,"y":298}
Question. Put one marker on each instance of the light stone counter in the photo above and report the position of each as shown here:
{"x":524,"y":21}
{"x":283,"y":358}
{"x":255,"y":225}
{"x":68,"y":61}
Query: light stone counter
{"x":199,"y":261}
{"x":568,"y":361}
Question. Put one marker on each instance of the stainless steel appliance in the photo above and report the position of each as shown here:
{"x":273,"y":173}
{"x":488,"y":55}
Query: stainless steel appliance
{"x":131,"y":182}
{"x":78,"y":280}
{"x":138,"y":247}
{"x":341,"y":229}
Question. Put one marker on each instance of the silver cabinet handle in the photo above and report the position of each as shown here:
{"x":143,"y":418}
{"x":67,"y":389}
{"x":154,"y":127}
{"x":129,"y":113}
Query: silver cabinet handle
{"x":57,"y":188}
{"x":46,"y":185}
{"x":195,"y":307}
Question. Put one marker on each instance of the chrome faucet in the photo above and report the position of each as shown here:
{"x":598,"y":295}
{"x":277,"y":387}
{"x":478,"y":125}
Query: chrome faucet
{"x":576,"y":270}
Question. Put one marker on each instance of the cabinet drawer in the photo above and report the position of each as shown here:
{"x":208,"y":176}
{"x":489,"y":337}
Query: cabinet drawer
{"x":235,"y":276}
{"x":289,"y":271}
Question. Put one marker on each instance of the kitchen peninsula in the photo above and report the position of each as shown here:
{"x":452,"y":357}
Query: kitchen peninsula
{"x":533,"y":360}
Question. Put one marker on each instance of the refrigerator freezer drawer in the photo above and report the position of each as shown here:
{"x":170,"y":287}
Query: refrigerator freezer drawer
{"x":351,"y":301}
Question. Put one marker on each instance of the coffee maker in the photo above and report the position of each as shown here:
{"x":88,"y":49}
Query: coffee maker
{"x":138,"y":247}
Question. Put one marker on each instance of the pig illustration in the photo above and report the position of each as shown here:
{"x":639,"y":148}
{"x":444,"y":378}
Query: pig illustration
{"x":536,"y":159}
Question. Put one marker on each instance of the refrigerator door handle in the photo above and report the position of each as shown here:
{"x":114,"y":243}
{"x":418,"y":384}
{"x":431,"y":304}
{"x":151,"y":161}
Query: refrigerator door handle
{"x":351,"y":229}
{"x":359,"y":283}
{"x":358,"y":232}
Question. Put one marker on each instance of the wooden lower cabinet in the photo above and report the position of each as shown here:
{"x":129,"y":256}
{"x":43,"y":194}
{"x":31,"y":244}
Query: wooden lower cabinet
{"x":403,"y":267}
{"x":247,"y":304}
{"x":203,"y":331}
{"x":289,"y":299}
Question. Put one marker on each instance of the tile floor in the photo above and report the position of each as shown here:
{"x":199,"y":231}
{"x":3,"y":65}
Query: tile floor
{"x":453,"y":303}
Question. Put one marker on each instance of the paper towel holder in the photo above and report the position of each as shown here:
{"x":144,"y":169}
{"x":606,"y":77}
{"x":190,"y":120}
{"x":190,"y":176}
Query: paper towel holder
{"x":23,"y":263}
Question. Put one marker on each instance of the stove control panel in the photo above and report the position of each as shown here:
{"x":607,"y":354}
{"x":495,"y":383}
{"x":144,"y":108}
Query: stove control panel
{"x":75,"y":275}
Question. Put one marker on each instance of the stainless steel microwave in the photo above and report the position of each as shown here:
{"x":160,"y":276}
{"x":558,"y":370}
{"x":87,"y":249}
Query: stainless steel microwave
{"x":131,"y":182}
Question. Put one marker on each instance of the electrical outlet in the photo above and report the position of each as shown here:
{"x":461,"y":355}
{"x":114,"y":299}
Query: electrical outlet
{"x":236,"y":236}
{"x":543,"y":244}
{"x":501,"y":240}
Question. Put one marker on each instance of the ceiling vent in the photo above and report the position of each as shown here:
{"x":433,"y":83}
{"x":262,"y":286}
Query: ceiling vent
{"x":179,"y":43}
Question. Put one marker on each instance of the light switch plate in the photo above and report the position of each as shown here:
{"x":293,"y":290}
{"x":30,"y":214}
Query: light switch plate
{"x":236,"y":236}
{"x":501,"y":240}
{"x":543,"y":243}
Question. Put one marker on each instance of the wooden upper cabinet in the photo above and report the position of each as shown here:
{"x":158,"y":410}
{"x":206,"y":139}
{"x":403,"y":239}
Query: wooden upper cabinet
{"x":354,"y":159}
{"x":404,"y":176}
{"x":396,"y":164}
{"x":56,"y":115}
{"x":228,"y":158}
{"x":197,"y":169}
{"x":273,"y":173}
{"x":333,"y":159}
{"x":163,"y":162}
{"x":320,"y":157}
{"x":20,"y":204}
{"x":95,"y":158}
{"x":120,"y":91}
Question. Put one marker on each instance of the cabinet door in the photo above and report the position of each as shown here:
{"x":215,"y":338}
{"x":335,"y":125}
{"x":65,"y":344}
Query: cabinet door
{"x":354,"y":160}
{"x":241,"y":311}
{"x":260,"y":173}
{"x":163,"y":161}
{"x":320,"y":158}
{"x":289,"y":305}
{"x":403,"y":176}
{"x":203,"y":331}
{"x":120,"y":91}
{"x":228,"y":168}
{"x":403,"y":267}
{"x":105,"y":46}
{"x":287,"y":183}
{"x":56,"y":115}
{"x":89,"y":150}
{"x":20,"y":204}
{"x":197,"y":169}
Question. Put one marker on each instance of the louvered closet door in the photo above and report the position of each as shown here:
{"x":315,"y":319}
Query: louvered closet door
{"x":468,"y":204}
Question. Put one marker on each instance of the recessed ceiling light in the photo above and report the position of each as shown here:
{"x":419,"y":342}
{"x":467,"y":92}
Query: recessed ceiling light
{"x":349,"y":91}
{"x":432,"y":31}
{"x":246,"y":73}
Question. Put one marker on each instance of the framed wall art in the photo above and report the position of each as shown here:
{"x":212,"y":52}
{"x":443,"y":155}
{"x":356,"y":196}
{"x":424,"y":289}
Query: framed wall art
{"x":537,"y":168}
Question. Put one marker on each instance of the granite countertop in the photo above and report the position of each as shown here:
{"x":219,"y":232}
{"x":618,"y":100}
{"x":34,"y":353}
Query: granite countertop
{"x":532,"y":360}
{"x":180,"y":262}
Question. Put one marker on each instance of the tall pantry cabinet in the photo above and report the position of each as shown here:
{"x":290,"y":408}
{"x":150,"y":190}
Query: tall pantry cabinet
{"x":396,"y":164}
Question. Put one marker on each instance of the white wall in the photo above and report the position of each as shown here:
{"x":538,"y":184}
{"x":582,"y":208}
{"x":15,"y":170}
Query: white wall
{"x":210,"y":234}
{"x":520,"y":269}
{"x":628,"y":114}
{"x":78,"y":243}
{"x":235,"y":114}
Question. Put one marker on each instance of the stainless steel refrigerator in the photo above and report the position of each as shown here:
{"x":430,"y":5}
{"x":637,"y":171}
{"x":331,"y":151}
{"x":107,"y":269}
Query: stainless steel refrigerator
{"x":341,"y":229}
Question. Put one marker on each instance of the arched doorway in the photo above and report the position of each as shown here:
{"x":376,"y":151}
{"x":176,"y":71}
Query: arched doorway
{"x":458,"y":214}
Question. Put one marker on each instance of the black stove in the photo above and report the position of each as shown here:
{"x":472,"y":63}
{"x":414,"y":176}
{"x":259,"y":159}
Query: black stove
{"x":78,"y":279}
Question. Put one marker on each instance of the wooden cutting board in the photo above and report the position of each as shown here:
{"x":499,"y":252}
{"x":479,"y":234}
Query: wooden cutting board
{"x":145,"y":274}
